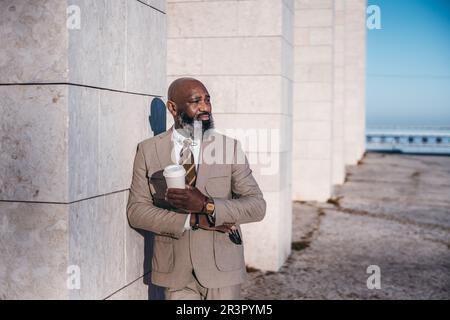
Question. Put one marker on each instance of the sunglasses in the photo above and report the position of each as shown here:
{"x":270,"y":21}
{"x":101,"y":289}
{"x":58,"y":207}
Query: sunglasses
{"x":234,"y":236}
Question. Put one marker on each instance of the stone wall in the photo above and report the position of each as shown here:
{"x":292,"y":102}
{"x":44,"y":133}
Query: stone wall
{"x":313,"y":99}
{"x":74,"y":103}
{"x":354,"y":79}
{"x":329,"y":94}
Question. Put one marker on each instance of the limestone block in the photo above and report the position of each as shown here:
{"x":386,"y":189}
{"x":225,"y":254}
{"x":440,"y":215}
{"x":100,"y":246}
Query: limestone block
{"x":83,"y":143}
{"x":313,"y":18}
{"x":260,"y":18}
{"x":184,"y":64}
{"x":136,"y":290}
{"x":146,"y":56}
{"x":321,"y":36}
{"x":227,"y":56}
{"x":96,"y":51}
{"x":158,"y":4}
{"x":313,"y":54}
{"x":313,"y":73}
{"x":287,"y":101}
{"x":227,"y":18}
{"x":33,"y":242}
{"x":314,"y":111}
{"x":97,"y":245}
{"x":306,"y":4}
{"x":287,"y":62}
{"x":288,"y":22}
{"x":338,"y":172}
{"x":264,"y":134}
{"x":43,"y":160}
{"x":99,"y":53}
{"x":105,"y":129}
{"x":123,"y":122}
{"x":259,"y":94}
{"x":171,"y":1}
{"x":275,"y":244}
{"x":270,"y":170}
{"x":313,"y":180}
{"x":33,"y":157}
{"x":312,"y":91}
{"x":33,"y":31}
{"x":312,"y":130}
{"x":217,"y":19}
{"x":134,"y":249}
{"x":315,"y":149}
{"x":290,"y":4}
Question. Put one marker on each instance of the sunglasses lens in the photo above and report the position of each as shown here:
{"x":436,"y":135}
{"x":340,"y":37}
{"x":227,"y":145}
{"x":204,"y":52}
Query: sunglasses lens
{"x":234,"y":237}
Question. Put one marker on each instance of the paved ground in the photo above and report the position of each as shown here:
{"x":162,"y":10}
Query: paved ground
{"x":393,"y":212}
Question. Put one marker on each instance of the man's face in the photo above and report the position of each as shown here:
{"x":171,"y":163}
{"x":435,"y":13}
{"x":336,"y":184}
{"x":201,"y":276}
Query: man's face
{"x":193,"y":103}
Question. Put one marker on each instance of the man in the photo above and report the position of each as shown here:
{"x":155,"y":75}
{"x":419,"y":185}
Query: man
{"x":198,"y":248}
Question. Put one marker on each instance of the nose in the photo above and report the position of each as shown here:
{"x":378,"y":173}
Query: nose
{"x":204,"y":106}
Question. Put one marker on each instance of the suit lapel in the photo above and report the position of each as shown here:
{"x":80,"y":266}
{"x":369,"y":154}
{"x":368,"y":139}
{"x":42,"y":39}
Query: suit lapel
{"x":164,"y":149}
{"x":204,"y":169}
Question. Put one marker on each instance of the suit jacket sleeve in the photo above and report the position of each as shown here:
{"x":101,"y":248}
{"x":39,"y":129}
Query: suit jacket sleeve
{"x":248,"y":204}
{"x":141,"y":211}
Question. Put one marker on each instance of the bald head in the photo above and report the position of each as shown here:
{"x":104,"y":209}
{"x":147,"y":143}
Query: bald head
{"x":181,"y":88}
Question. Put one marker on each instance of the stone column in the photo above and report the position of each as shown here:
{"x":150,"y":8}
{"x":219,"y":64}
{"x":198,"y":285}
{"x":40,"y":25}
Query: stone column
{"x":243,"y":52}
{"x":355,"y":66}
{"x":77,"y":79}
{"x":338,"y":170}
{"x":313,"y":100}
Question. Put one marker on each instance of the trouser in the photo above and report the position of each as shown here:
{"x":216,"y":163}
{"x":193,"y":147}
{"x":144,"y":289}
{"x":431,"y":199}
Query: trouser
{"x":195,"y":291}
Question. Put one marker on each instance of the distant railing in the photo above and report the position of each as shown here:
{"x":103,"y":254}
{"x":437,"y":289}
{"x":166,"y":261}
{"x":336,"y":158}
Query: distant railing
{"x":409,"y":139}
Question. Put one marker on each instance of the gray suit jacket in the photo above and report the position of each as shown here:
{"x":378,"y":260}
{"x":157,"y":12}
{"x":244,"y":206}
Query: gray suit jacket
{"x":217,"y":261}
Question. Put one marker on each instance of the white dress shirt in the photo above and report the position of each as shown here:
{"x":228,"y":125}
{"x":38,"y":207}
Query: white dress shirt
{"x":178,"y":139}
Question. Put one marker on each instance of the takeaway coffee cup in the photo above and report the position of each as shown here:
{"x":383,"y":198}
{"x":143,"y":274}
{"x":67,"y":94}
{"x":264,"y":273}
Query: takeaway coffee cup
{"x":174,"y":175}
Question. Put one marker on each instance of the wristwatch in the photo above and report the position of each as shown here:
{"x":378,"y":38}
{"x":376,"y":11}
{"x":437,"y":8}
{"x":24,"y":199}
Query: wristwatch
{"x":209,"y":206}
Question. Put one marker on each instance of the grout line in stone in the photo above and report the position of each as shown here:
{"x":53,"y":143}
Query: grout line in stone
{"x":71,"y":202}
{"x":146,"y":4}
{"x":126,"y":286}
{"x":77,"y":85}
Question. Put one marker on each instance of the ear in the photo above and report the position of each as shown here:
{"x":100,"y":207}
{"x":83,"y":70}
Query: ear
{"x":172,"y":108}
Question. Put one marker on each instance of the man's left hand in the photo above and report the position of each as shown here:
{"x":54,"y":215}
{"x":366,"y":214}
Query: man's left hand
{"x":189,"y":199}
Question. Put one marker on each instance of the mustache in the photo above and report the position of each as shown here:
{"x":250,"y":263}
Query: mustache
{"x":188,"y":122}
{"x":203,"y":113}
{"x":187,"y":119}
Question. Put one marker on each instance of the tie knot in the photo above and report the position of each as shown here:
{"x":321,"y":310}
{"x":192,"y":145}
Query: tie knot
{"x":187,"y":142}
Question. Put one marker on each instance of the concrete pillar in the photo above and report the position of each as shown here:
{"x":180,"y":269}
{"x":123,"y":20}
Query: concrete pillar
{"x":77,"y":79}
{"x":338,"y":169}
{"x":243,"y":52}
{"x":355,"y":65}
{"x":313,"y":100}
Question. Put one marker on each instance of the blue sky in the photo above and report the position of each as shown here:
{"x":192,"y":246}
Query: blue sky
{"x":408,"y":64}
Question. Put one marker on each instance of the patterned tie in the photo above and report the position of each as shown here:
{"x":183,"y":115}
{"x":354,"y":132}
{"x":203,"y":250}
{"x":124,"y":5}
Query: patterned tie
{"x":187,"y":161}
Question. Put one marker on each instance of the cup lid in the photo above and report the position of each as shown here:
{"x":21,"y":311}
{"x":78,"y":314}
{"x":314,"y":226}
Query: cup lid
{"x":174,"y":170}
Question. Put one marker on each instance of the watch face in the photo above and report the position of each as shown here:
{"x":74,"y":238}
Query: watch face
{"x":210,"y":206}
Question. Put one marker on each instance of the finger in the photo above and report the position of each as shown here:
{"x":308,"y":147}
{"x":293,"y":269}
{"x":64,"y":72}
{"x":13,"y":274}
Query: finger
{"x":176,"y":191}
{"x":223,"y":229}
{"x":179,"y":204}
{"x":181,"y":197}
{"x":206,"y":227}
